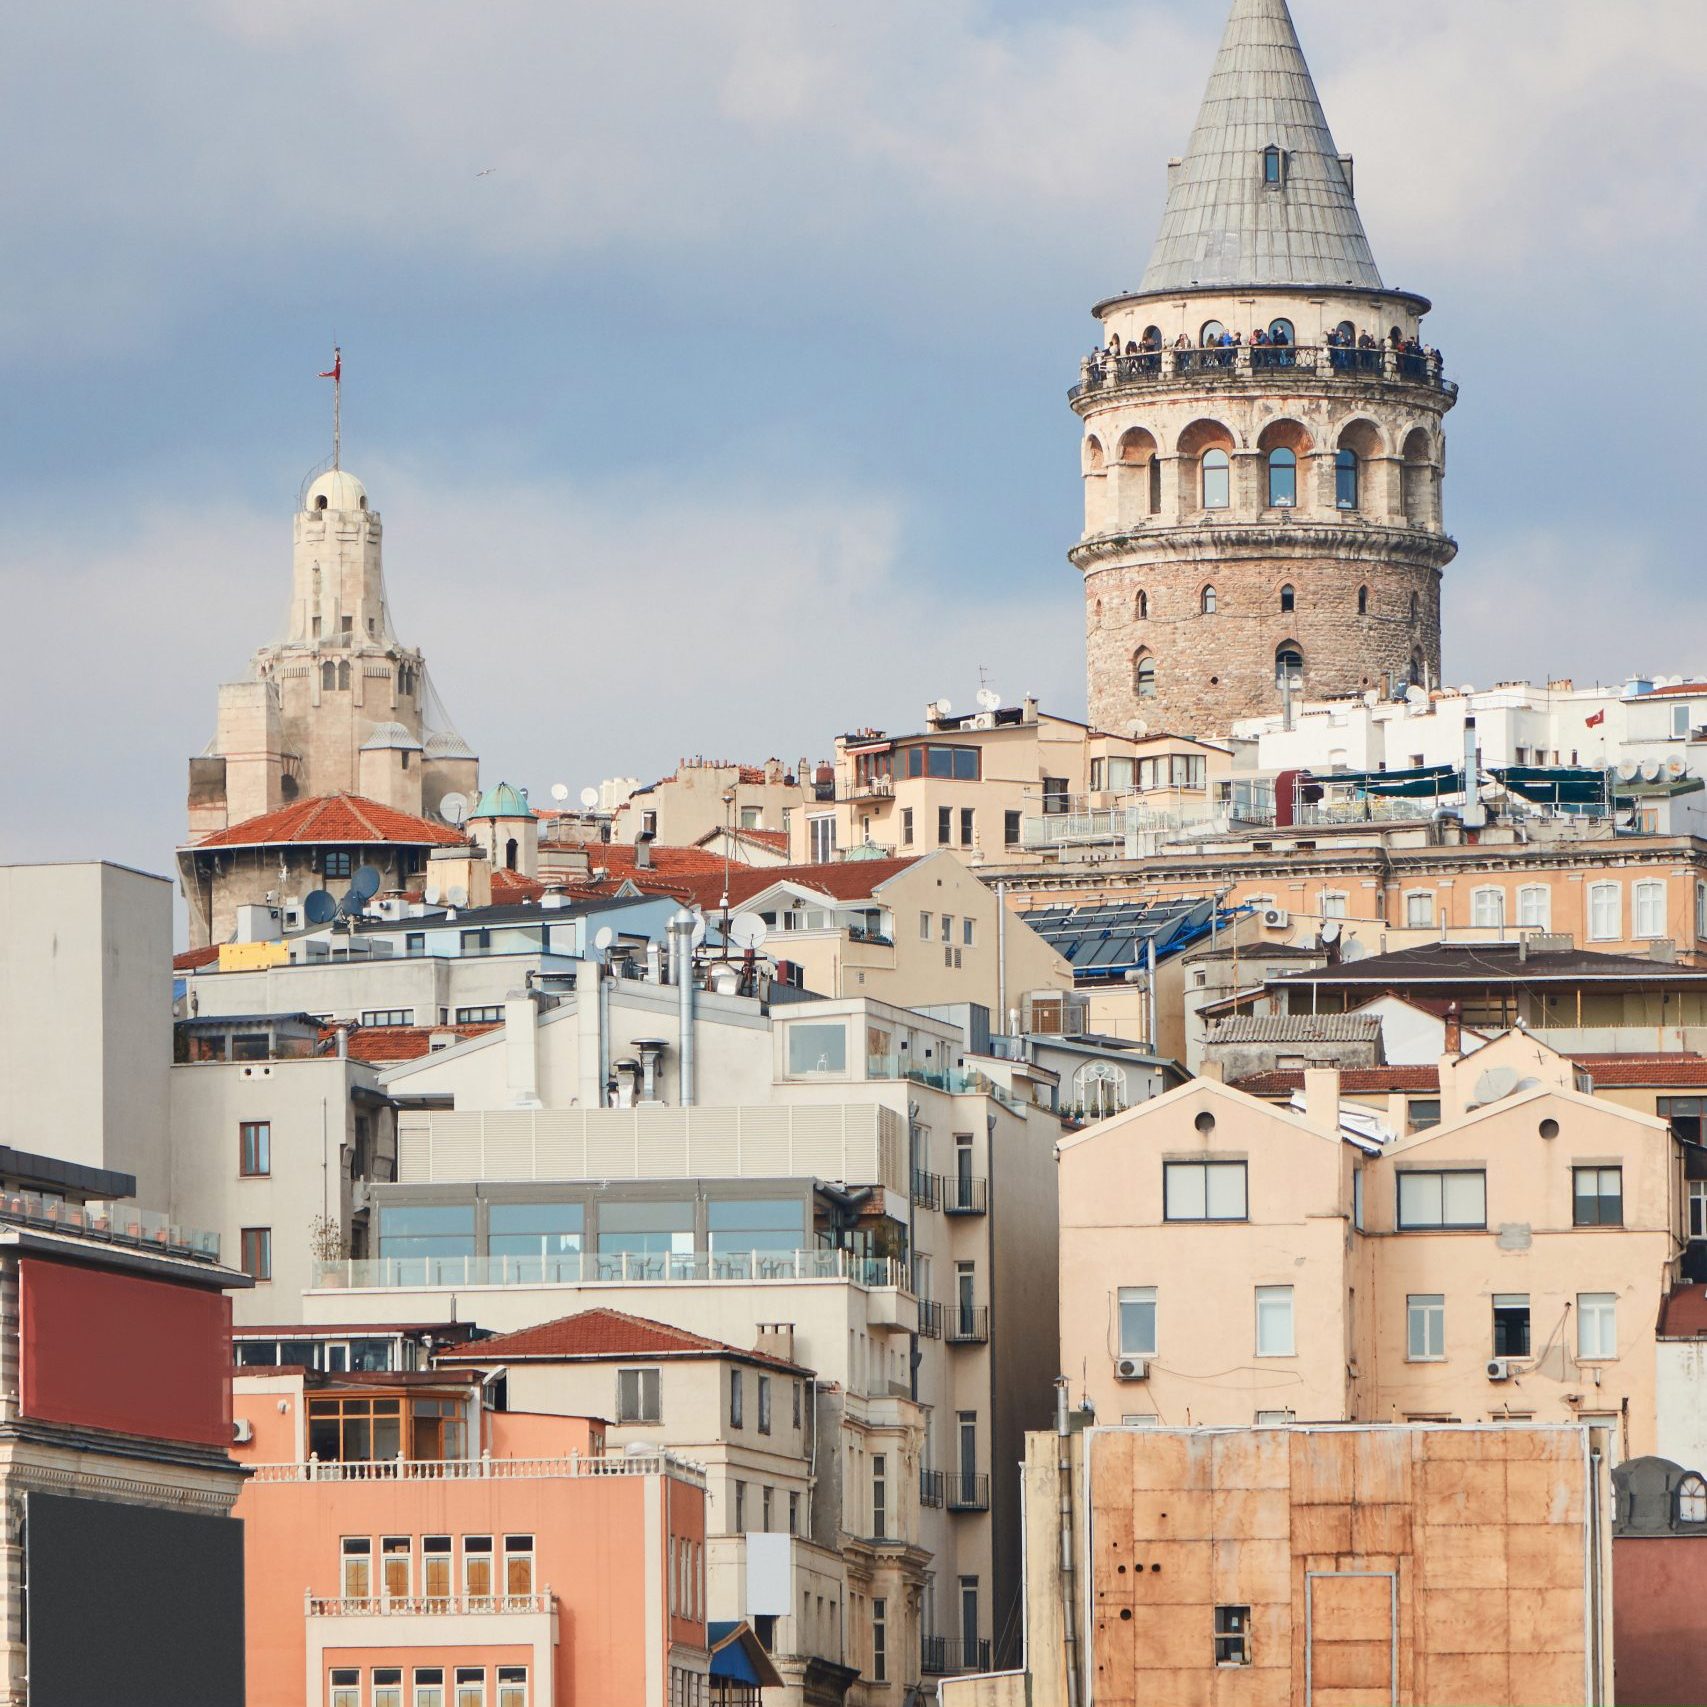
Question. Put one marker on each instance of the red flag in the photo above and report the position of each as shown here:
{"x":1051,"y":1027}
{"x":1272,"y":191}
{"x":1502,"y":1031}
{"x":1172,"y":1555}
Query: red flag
{"x":336,"y":371}
{"x":1595,"y":721}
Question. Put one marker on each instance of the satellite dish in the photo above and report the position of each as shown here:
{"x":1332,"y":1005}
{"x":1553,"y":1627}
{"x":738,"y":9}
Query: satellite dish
{"x":604,"y":938}
{"x":1497,"y":1082}
{"x":453,"y":808}
{"x":365,"y":883}
{"x":698,"y":938}
{"x":1675,"y":767}
{"x":748,"y":930}
{"x":1629,"y":772}
{"x":1331,"y":929}
{"x":1139,"y":727}
{"x":319,"y":907}
{"x":560,"y":792}
{"x":1653,"y":771}
{"x":943,"y":708}
{"x":433,"y":895}
{"x":457,"y":895}
{"x":989,"y":699}
{"x":1415,"y":695}
{"x":589,"y":797}
{"x":1353,"y":950}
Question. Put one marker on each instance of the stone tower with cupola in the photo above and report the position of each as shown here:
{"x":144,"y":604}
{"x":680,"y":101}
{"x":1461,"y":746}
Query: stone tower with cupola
{"x":1262,"y":518}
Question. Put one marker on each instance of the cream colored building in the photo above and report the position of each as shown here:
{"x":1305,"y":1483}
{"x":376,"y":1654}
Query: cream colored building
{"x":704,"y":795}
{"x":1225,"y":1261}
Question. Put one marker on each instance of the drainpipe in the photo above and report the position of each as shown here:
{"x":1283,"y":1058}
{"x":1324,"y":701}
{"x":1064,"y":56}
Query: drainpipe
{"x":604,"y":1033}
{"x":1002,"y":955}
{"x":681,"y":956}
{"x":1150,"y":987}
{"x":1064,"y":1475}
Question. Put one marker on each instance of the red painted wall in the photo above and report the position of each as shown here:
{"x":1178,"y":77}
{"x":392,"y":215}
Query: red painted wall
{"x":108,"y":1350}
{"x":1659,"y":1620}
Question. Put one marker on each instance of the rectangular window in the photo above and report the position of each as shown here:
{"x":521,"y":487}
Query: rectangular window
{"x":1203,"y":1191}
{"x":512,"y":1686}
{"x":1535,"y":906}
{"x":491,"y":1014}
{"x":797,"y":1396}
{"x":1698,"y":1209}
{"x":1648,"y":906}
{"x":1419,"y":910}
{"x":1334,"y":905}
{"x":879,"y":1495}
{"x":477,"y":1567}
{"x":518,"y":1564}
{"x":766,"y":1499}
{"x":823,"y":831}
{"x":1487,"y":908}
{"x":735,"y":1398}
{"x":414,"y":944}
{"x":470,"y":1686}
{"x":966,"y":933}
{"x":254,"y":1148}
{"x":1274,"y":1322}
{"x":1010,"y":837}
{"x":637,"y":1396}
{"x":1232,"y":1635}
{"x":1056,"y":796}
{"x":474,"y":941}
{"x":1701,"y":910}
{"x":740,"y":1524}
{"x":1357,"y":1198}
{"x":257,"y":1247}
{"x":396,"y":1567}
{"x":906,"y":826}
{"x":879,"y":1639}
{"x":1458,"y":1198}
{"x":1424,"y":1112}
{"x":817,"y":1048}
{"x":429,"y":1686}
{"x":1597,"y":1197}
{"x":388,"y":1686}
{"x":346,"y":1687}
{"x":338,"y":864}
{"x":794,"y":1514}
{"x":436,"y":1567}
{"x":356,"y":1582}
{"x":1137,"y":1321}
{"x":944,"y":825}
{"x":1604,"y":909}
{"x":1425,"y":1330}
{"x":765,"y":1407}
{"x":388,"y":1016}
{"x":966,"y":824}
{"x":1680,"y":722}
{"x":926,"y":924}
{"x":1511,"y":1324}
{"x":1597,"y":1324}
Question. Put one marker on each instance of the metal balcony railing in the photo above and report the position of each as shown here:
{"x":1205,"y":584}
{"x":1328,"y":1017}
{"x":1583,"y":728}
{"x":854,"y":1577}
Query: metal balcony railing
{"x":927,"y":1189}
{"x":1102,"y":372}
{"x":930,"y":1318}
{"x":944,"y":1655}
{"x":966,"y":1324}
{"x":930,"y":1487}
{"x":965,"y":1195}
{"x":968,"y":1490}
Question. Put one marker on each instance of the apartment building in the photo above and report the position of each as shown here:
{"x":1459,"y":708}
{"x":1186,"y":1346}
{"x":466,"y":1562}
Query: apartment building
{"x":1505,"y":1263}
{"x":703,"y":795}
{"x":410,"y":1547}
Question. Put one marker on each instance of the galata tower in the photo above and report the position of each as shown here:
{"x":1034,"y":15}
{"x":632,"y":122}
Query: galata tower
{"x":1263,"y":455}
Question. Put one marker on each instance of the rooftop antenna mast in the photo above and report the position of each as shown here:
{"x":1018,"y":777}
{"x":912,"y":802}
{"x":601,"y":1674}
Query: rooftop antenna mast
{"x":335,"y":373}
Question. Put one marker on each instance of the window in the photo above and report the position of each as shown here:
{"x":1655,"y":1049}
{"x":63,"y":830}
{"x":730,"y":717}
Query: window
{"x":1487,"y":908}
{"x":257,"y":1243}
{"x":1535,"y":906}
{"x":1137,"y":1305}
{"x":1345,"y":498}
{"x":1010,"y":829}
{"x":1425,"y":1327}
{"x":740,"y":1527}
{"x":470,"y":1686}
{"x":388,"y":1016}
{"x":1419,"y":910}
{"x":474,"y":942}
{"x":1604,"y":907}
{"x":822,"y":831}
{"x":637,"y":1399}
{"x":1282,"y":478}
{"x":966,"y":821}
{"x":1692,"y":1499}
{"x":518,"y":1564}
{"x":1203,"y":1191}
{"x":396,"y":1565}
{"x":879,"y":1638}
{"x":948,"y":927}
{"x":1056,"y":795}
{"x":426,"y":1230}
{"x":337,"y":862}
{"x":1334,"y":904}
{"x":926,"y":926}
{"x":388,"y":1686}
{"x":429,"y":1686}
{"x":794,"y":1514}
{"x":356,"y":1580}
{"x":1597,"y":1324}
{"x":1698,"y":1209}
{"x":414,"y":944}
{"x":944,"y":825}
{"x":489,"y":1015}
{"x":1511,"y":1324}
{"x":1597,"y":1197}
{"x":1701,"y":910}
{"x":1357,"y":1198}
{"x":1141,"y":607}
{"x":346,"y":1687}
{"x":765,"y":1408}
{"x":1233,"y":1623}
{"x":736,"y":1399}
{"x":818,"y":1048}
{"x":436,"y":1566}
{"x":879,"y":1495}
{"x":1458,"y":1198}
{"x":254,"y":1148}
{"x":1289,"y":667}
{"x":1648,"y":909}
{"x":766,"y":1497}
{"x":966,"y":933}
{"x":1288,"y":598}
{"x":906,"y":826}
{"x":1213,"y":332}
{"x":1274,"y":1322}
{"x":1217,"y":481}
{"x":1423,"y":1112}
{"x":477,"y":1567}
{"x":1144,"y":675}
{"x":1271,"y":165}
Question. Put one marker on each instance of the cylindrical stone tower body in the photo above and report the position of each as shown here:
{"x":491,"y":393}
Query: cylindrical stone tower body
{"x":1261,"y":519}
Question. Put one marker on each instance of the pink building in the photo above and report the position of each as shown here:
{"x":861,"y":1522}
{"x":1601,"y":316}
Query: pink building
{"x":408,"y":1547}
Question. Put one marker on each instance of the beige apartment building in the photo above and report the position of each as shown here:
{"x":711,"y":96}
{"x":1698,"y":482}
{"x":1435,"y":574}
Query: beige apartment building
{"x":1225,"y":1261}
{"x":702,"y":796}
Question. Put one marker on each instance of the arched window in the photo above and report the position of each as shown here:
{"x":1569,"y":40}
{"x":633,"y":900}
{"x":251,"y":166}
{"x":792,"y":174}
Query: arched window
{"x":1288,"y":597}
{"x":1282,"y":332}
{"x":1692,"y":1499}
{"x":344,"y":673}
{"x":1416,"y":607}
{"x":1282,"y":478}
{"x":1345,"y":480}
{"x":1217,"y":480}
{"x":1211,"y":334}
{"x":1141,"y":606}
{"x":511,"y":852}
{"x":1206,"y":601}
{"x":1099,"y":1089}
{"x":1144,"y":675}
{"x":1416,"y":670}
{"x":1289,"y":666}
{"x":1273,"y":165}
{"x":1363,"y":601}
{"x":320,"y":502}
{"x":1096,"y":613}
{"x":1535,"y":906}
{"x":1348,"y":333}
{"x":1487,"y":908}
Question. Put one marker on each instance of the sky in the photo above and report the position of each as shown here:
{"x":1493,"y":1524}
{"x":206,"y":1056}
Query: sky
{"x":708,"y":363}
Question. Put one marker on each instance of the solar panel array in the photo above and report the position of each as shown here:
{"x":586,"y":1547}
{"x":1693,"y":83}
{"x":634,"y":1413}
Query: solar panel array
{"x":1106,"y":937}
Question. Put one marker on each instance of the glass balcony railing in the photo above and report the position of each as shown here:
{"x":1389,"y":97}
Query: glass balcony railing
{"x":114,"y":1223}
{"x":624,"y":1268}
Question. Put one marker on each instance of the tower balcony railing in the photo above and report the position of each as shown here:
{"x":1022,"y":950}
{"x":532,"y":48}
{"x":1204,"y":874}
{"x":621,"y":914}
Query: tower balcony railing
{"x":1227,"y":363}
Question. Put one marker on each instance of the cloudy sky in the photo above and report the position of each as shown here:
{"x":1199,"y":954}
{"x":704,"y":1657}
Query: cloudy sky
{"x":728,"y":409}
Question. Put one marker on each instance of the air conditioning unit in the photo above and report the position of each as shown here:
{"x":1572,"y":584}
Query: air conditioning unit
{"x":1499,"y":1368}
{"x":1276,"y":918}
{"x":1132,"y":1369}
{"x":242,"y":1431}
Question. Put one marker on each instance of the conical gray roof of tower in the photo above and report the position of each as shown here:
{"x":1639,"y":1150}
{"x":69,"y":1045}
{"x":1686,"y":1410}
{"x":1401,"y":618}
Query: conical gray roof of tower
{"x":1223,"y":224}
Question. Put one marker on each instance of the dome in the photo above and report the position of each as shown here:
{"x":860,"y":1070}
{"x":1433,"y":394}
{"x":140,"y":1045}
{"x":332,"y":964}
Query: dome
{"x":336,"y":489}
{"x":502,"y":801}
{"x":447,"y":744}
{"x":387,"y":735}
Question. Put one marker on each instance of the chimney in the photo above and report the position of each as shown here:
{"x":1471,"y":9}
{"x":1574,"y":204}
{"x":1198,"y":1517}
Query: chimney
{"x":776,"y":1339}
{"x":521,"y":1048}
{"x":643,"y":853}
{"x":1215,"y":1070}
{"x":1028,"y":708}
{"x":1322,"y":1098}
{"x":1454,"y":1031}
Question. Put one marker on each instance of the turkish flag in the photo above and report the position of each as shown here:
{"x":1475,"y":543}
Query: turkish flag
{"x":1595,"y":721}
{"x":336,"y":371}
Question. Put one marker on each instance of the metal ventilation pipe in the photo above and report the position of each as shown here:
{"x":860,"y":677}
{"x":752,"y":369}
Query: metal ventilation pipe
{"x":681,"y":958}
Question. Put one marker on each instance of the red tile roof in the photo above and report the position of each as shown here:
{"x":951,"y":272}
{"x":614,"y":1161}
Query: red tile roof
{"x":1400,"y":1080}
{"x":192,"y":958}
{"x":510,"y":887}
{"x":1683,"y":1313}
{"x":844,"y":880}
{"x":1644,"y":1069}
{"x":606,"y":1333}
{"x":696,"y":875}
{"x":380,"y":1044}
{"x":334,"y":818}
{"x":775,"y":840}
{"x":1673,"y":689}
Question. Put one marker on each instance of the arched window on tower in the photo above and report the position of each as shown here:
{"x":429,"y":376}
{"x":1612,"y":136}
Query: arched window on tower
{"x":1282,"y":478}
{"x":1363,"y":601}
{"x":1273,"y":165}
{"x":344,"y":674}
{"x":1217,"y":480}
{"x":1289,"y":666}
{"x":1416,"y":670}
{"x":1206,"y":601}
{"x":1144,"y":675}
{"x":512,"y":851}
{"x":1345,"y":480}
{"x":1416,"y":607}
{"x":328,"y":675}
{"x":1096,"y":614}
{"x":1141,"y":606}
{"x":1211,"y":334}
{"x":1692,"y":1499}
{"x":1288,"y":597}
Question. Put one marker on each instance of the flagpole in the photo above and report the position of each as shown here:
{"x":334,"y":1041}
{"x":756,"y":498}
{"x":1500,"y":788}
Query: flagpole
{"x":337,"y":406}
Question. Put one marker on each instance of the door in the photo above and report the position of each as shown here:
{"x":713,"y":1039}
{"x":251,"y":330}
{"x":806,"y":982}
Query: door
{"x":1351,"y":1656}
{"x":964,"y":1277}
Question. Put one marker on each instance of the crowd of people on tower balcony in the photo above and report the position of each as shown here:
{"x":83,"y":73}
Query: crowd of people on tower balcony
{"x":1349,"y":351}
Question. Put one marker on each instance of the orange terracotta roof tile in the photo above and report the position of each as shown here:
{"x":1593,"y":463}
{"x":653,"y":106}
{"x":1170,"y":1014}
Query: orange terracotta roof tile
{"x":606,"y":1333}
{"x":1284,"y":1081}
{"x":382,"y":1044}
{"x":510,"y":887}
{"x":1683,"y":1313}
{"x":192,"y":958}
{"x":334,"y":818}
{"x":1644,"y":1069}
